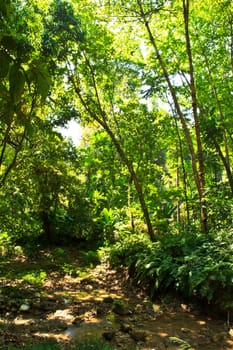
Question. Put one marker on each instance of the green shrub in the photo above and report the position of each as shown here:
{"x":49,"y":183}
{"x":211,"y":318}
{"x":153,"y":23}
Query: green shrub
{"x":195,"y":265}
{"x":127,"y":251}
{"x":91,"y":257}
{"x":89,"y":344}
{"x":92,"y":344}
{"x":46,"y":345}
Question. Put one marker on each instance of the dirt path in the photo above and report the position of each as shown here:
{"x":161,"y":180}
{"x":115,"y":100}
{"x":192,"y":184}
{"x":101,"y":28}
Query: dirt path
{"x":76,"y":302}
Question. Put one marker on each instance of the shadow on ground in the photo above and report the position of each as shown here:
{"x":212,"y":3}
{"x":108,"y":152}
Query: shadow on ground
{"x":65,"y":296}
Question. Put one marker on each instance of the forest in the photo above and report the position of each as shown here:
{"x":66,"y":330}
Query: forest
{"x":149,"y":188}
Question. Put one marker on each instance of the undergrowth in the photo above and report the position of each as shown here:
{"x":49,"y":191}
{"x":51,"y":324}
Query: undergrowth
{"x":89,"y":344}
{"x":194,"y":265}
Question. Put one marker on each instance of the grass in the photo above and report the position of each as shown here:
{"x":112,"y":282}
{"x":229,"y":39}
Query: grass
{"x":90,"y":344}
{"x":93,"y":344}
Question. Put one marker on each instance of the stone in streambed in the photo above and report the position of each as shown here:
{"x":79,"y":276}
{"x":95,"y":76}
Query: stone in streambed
{"x":120,"y":308}
{"x":24,"y":307}
{"x":109,"y":334}
{"x":138,"y":335}
{"x":125,"y":327}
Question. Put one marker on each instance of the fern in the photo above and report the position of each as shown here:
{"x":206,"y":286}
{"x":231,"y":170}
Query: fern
{"x":182,"y":344}
{"x":194,"y":265}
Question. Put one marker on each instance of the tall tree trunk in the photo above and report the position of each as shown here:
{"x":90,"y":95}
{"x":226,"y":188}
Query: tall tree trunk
{"x":200,"y":157}
{"x":225,"y":159}
{"x":17,"y":148}
{"x":135,"y":179}
{"x":225,"y":162}
{"x":184,"y":175}
{"x":231,"y":40}
{"x":198,"y":174}
{"x":46,"y":224}
{"x":130,"y":212}
{"x":100,"y":118}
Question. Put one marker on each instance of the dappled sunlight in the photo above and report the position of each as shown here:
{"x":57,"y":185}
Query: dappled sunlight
{"x":58,"y":337}
{"x":163,"y":334}
{"x":116,"y":177}
{"x":20,"y":321}
{"x":201,"y":323}
{"x":101,"y":302}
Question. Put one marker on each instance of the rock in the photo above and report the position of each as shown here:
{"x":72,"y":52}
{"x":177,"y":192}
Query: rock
{"x":108,"y":300}
{"x":109,"y":335}
{"x":218,"y":337}
{"x":120,"y":308}
{"x":184,"y":307}
{"x":24,"y":307}
{"x":125,"y":327}
{"x":138,"y":335}
{"x":185,"y":330}
{"x":124,"y":341}
{"x":99,"y":311}
{"x":48,"y":305}
{"x":156,"y":308}
{"x":77,"y":321}
{"x":111,"y":317}
{"x":89,"y":287}
{"x":182,"y":344}
{"x":74,"y":274}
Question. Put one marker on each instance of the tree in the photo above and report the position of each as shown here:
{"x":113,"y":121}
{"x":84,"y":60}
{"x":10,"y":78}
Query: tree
{"x":93,"y":73}
{"x":158,"y":100}
{"x":176,"y":70}
{"x":24,"y":81}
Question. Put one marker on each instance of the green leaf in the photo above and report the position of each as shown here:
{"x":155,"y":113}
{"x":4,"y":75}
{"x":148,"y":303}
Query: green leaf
{"x":183,"y":345}
{"x":44,"y":82}
{"x":39,"y":75}
{"x":4,"y":64}
{"x":9,"y":42}
{"x":17,"y":82}
{"x":4,"y":8}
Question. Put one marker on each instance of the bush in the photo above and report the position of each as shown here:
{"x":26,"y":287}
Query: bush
{"x":128,"y":251}
{"x":92,"y":344}
{"x":89,"y":344}
{"x":194,"y":265}
{"x":46,"y":345}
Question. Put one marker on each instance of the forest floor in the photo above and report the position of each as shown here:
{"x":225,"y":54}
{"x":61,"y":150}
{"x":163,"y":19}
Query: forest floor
{"x":61,"y":295}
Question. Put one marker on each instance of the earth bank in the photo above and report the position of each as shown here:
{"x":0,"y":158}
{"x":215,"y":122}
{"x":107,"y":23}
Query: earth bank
{"x":76,"y":299}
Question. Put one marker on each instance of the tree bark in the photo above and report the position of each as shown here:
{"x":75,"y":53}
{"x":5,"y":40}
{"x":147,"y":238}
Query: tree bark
{"x":100,"y":118}
{"x":197,"y":173}
{"x":225,"y":162}
{"x":201,"y":187}
{"x":225,"y":159}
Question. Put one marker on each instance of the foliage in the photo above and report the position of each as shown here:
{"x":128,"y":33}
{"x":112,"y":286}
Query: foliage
{"x":91,"y":257}
{"x":219,"y":206}
{"x":90,"y":344}
{"x":93,"y":344}
{"x":192,"y":264}
{"x":149,"y":119}
{"x":35,"y":278}
{"x":156,"y":156}
{"x":128,"y":250}
{"x":48,"y":345}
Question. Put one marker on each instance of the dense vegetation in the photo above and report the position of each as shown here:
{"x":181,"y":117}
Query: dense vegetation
{"x":151,"y":180}
{"x":88,"y":345}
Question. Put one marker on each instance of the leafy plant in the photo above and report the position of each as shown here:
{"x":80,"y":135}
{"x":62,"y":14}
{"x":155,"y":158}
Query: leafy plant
{"x":35,"y":278}
{"x":89,"y":344}
{"x":195,"y":265}
{"x":47,"y":345}
{"x":92,"y":344}
{"x":91,"y":257}
{"x":129,"y":250}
